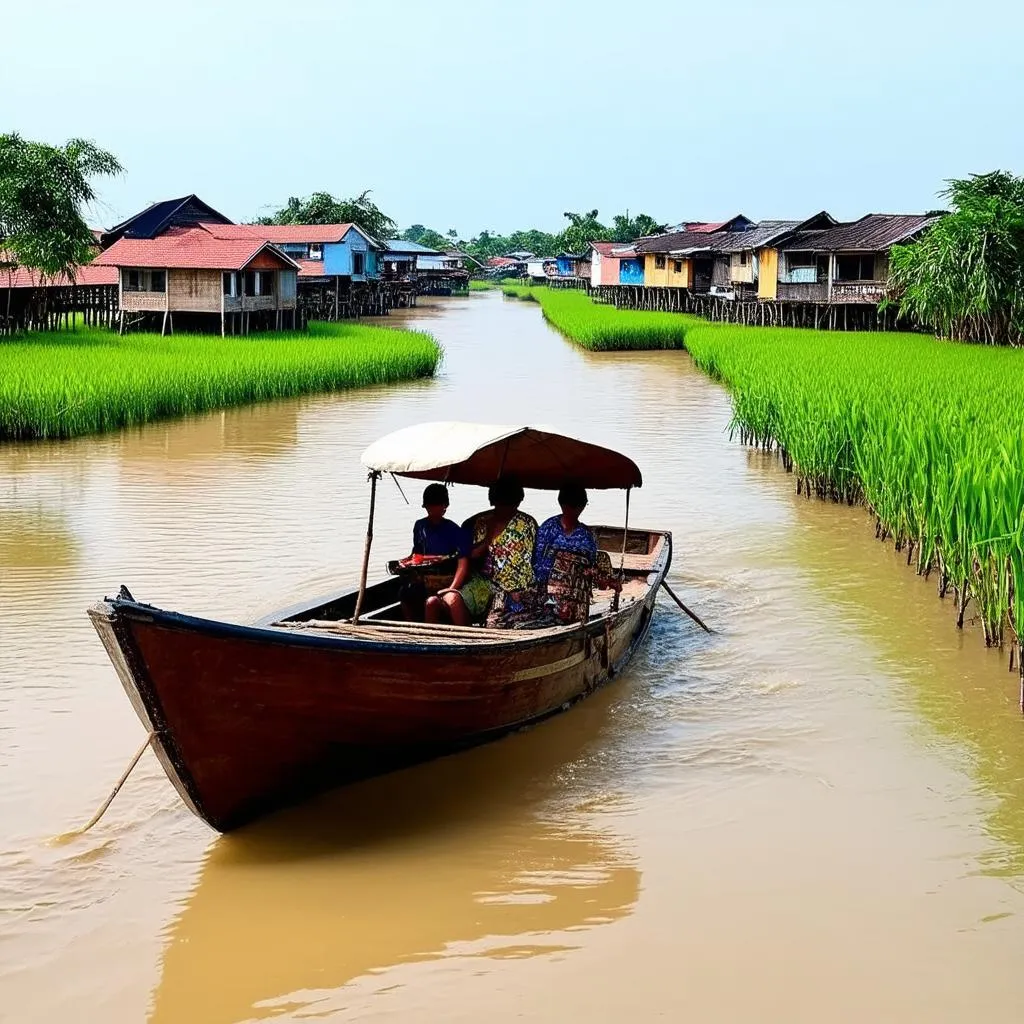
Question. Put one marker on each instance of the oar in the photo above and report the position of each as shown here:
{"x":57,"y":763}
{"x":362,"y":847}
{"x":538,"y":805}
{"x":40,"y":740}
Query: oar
{"x":675,"y":597}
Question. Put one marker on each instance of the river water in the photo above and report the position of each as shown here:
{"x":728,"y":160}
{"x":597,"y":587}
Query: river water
{"x":816,"y":814}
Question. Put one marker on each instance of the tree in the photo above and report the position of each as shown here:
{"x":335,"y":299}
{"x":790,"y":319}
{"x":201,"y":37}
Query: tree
{"x":964,"y":277}
{"x":323,"y":208}
{"x":413,"y":233}
{"x":583,"y":229}
{"x":43,"y":189}
{"x":627,"y":229}
{"x":433,"y":240}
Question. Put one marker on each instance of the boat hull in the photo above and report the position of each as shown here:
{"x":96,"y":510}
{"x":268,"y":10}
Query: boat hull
{"x":249,"y":718}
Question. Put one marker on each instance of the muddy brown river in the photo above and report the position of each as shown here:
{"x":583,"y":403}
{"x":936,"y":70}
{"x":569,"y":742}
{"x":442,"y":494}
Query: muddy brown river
{"x":816,"y":814}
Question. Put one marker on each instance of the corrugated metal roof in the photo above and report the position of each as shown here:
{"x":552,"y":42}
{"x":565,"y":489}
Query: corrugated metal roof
{"x":189,"y":248}
{"x":399,"y":245}
{"x":872,"y":233}
{"x":764,"y":233}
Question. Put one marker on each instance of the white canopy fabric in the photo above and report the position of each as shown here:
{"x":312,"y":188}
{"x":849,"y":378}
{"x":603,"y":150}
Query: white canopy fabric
{"x":477,"y":453}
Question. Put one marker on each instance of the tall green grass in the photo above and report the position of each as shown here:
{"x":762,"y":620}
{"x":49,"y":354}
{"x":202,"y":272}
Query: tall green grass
{"x":480,"y":286}
{"x":63,"y":384}
{"x":929,"y":434}
{"x":601,"y":328}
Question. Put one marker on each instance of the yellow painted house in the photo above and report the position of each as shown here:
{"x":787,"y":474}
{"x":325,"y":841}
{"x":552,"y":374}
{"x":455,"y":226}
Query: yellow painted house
{"x":669,"y":258}
{"x":662,"y":270}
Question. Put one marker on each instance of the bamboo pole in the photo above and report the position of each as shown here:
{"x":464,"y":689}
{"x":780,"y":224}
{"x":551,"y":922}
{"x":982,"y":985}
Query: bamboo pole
{"x":622,"y":556}
{"x":374,"y":477}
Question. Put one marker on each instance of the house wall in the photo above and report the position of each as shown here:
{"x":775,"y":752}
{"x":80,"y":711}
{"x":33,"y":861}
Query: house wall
{"x":739,"y":273}
{"x":338,"y":257}
{"x":631,"y":272}
{"x":668,"y":276}
{"x":287,"y":284}
{"x":195,"y":291}
{"x":768,"y":273}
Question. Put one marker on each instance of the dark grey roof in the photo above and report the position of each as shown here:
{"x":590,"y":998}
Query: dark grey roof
{"x":763,"y":233}
{"x":159,"y":216}
{"x":875,"y":232}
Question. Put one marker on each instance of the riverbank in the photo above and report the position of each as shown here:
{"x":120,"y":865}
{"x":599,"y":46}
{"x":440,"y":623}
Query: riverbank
{"x":60,"y":385}
{"x":600,"y":328}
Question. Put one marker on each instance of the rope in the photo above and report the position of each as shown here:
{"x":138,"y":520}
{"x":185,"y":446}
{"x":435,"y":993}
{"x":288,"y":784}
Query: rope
{"x":110,"y":799}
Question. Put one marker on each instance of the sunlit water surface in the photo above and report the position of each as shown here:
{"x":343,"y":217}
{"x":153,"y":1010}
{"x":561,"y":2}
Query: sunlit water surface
{"x":816,"y":814}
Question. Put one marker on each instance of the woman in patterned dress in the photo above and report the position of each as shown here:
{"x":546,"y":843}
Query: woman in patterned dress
{"x":503,"y":543}
{"x":565,"y":561}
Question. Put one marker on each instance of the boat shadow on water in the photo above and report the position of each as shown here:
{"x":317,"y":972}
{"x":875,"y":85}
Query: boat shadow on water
{"x":502,"y":851}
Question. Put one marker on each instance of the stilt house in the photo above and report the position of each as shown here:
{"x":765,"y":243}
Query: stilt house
{"x":844,"y":263}
{"x":339,"y":268}
{"x":203,"y":276}
{"x":684,"y":259}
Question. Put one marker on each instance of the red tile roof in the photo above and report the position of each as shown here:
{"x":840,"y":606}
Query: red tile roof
{"x":615,"y":250}
{"x":301,"y":232}
{"x":311,"y":268}
{"x":194,"y":248}
{"x":85,"y":276}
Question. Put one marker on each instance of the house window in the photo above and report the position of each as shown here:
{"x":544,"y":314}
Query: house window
{"x":249,"y":283}
{"x":855,"y":268}
{"x":659,"y":262}
{"x":231,"y":285}
{"x":265,"y":282}
{"x":358,"y":263}
{"x":801,"y":268}
{"x":316,"y":251}
{"x":145,"y":281}
{"x":744,"y":258}
{"x":677,"y":266}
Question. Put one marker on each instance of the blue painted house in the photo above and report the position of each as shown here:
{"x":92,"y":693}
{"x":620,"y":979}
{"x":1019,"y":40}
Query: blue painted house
{"x":339,"y":268}
{"x":328,"y":250}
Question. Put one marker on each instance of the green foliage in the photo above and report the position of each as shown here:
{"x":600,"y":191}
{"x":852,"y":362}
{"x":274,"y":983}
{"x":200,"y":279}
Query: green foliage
{"x":928,"y":434}
{"x":583,"y":229}
{"x":88,"y":381}
{"x":629,"y":229}
{"x":481,"y":286}
{"x":42,"y":191}
{"x":323,"y":208}
{"x":433,"y":240}
{"x":486,"y":244}
{"x":601,"y":328}
{"x":965,"y":277}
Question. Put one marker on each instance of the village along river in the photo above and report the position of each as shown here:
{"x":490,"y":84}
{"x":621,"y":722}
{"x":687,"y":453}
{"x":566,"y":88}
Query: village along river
{"x":816,"y":814}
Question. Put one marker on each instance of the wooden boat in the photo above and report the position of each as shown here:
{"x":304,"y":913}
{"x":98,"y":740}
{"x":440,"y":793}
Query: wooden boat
{"x":248,"y":718}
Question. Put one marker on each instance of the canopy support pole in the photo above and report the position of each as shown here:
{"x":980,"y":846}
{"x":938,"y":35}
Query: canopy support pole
{"x":374,"y":477}
{"x":622,"y":556}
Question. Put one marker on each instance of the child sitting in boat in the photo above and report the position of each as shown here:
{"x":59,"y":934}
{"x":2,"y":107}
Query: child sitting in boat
{"x":435,"y":538}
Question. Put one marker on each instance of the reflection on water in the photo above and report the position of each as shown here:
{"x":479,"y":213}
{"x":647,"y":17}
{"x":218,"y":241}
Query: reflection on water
{"x":443,"y":862}
{"x":811,"y":815}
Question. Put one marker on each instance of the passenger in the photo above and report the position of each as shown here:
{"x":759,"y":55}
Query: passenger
{"x":433,"y":536}
{"x":503,"y":543}
{"x":566,"y":560}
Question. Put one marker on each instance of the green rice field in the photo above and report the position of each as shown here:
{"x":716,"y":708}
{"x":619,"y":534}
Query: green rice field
{"x":481,"y":286}
{"x":601,"y":328}
{"x":928,"y":434}
{"x":63,"y":384}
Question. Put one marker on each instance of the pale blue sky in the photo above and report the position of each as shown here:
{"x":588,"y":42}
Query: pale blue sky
{"x":504,"y":115}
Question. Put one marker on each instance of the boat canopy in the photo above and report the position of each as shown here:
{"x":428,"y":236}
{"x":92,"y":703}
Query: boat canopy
{"x":479,"y":453}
